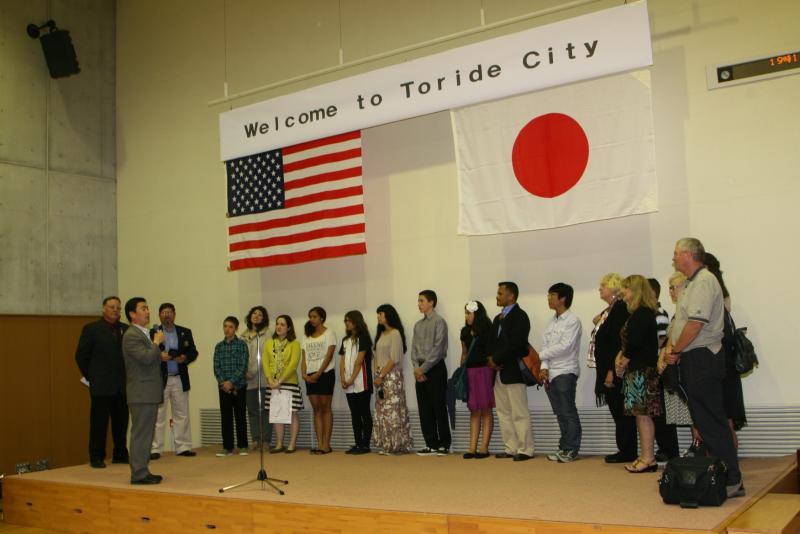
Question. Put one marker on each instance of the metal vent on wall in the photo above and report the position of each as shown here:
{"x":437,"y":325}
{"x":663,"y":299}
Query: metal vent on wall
{"x":771,"y":431}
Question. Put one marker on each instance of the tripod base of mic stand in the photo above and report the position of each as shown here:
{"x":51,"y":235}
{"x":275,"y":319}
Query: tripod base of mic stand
{"x":264,"y":479}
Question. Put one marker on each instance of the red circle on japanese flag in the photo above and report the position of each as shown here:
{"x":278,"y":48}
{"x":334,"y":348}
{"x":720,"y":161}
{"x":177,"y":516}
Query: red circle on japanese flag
{"x":550,"y":155}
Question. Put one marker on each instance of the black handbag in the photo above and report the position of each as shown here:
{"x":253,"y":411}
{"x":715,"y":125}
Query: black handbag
{"x":693,"y":482}
{"x":737,"y":347}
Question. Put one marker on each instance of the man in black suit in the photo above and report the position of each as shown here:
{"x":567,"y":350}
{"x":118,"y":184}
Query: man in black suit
{"x":143,"y":382}
{"x":179,"y":344}
{"x":99,"y":357}
{"x":508,"y":344}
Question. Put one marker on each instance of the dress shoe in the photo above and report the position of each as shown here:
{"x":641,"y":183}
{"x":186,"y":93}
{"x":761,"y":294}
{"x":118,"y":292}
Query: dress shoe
{"x":468,"y":455}
{"x":481,"y":455}
{"x":123,"y":460}
{"x":503,"y":455}
{"x":522,"y":457}
{"x":149,"y":479}
{"x":187,"y":453}
{"x":97,"y":464}
{"x":155,"y":455}
{"x":618,"y":458}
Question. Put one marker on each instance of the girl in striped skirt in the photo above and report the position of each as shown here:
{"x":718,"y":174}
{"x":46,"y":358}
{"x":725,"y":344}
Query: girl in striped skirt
{"x":281,"y":357}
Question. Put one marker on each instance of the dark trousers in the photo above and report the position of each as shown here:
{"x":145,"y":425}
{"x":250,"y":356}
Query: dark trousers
{"x":104,"y":407}
{"x":625,"y":430}
{"x":702,"y":372}
{"x":233,"y":405}
{"x":361,"y":416}
{"x":432,"y":403}
{"x":562,"y":399}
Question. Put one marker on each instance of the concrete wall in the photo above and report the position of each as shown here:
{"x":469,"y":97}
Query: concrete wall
{"x":727,"y":171}
{"x":58,"y":235}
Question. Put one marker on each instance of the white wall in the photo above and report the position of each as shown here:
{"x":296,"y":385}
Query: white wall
{"x":727,"y":166}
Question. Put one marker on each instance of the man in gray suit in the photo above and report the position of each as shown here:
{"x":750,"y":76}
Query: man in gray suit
{"x":144,"y":387}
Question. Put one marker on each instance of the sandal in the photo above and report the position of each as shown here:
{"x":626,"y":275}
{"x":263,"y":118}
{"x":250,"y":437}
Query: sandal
{"x":315,"y":451}
{"x":638,"y":466}
{"x":277,"y":449}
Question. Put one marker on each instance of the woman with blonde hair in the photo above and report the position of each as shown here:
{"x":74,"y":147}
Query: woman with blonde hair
{"x":675,"y":407}
{"x":603,"y":348}
{"x":636,"y":364}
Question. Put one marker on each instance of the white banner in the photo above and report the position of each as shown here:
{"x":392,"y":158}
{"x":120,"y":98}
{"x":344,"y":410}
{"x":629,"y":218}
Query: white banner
{"x":606,"y":42}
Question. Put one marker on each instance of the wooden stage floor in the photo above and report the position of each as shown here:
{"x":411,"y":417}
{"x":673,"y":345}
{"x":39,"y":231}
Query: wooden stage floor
{"x":373,"y":493}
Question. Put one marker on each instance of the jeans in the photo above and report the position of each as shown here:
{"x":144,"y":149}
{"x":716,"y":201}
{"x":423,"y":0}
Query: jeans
{"x":562,"y":399}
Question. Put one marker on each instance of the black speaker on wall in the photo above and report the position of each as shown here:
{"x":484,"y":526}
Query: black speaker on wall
{"x":59,"y":52}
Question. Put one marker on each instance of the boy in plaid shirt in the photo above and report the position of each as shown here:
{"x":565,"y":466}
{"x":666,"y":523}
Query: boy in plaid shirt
{"x":230,"y":366}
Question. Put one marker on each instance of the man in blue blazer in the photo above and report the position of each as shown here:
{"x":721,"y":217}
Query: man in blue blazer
{"x":144,"y":386}
{"x":179,"y":344}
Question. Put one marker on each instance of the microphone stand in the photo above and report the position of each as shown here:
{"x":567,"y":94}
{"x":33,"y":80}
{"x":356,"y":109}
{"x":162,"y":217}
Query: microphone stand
{"x":262,"y":473}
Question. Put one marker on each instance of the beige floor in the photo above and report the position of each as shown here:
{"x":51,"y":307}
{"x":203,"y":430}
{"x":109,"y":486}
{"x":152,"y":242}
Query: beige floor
{"x":586,"y":491}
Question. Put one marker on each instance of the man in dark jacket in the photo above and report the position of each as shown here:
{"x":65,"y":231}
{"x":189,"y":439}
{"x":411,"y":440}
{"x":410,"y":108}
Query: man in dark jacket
{"x":508,"y":344}
{"x":179,"y":343}
{"x":99,"y":357}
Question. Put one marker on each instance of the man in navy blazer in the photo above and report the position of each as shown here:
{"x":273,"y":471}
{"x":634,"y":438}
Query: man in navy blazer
{"x":179,"y":344}
{"x":145,"y":391}
{"x":99,"y":357}
{"x":508,"y":344}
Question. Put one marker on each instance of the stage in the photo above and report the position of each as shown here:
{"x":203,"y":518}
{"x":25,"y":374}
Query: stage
{"x":342,"y":493}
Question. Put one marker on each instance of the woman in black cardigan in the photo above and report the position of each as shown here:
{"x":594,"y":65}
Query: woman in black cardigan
{"x":603,"y":348}
{"x":637,"y":363}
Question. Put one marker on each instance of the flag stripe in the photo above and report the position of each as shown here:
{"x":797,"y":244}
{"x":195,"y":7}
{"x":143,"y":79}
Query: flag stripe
{"x":295,"y":248}
{"x":324,"y":141}
{"x":298,"y":237}
{"x":323,"y":158}
{"x":324,"y":195}
{"x":357,"y":218}
{"x":342,"y":183}
{"x":313,"y":195}
{"x":330,"y":209}
{"x":323,"y":178}
{"x":321,"y":169}
{"x":311,"y":255}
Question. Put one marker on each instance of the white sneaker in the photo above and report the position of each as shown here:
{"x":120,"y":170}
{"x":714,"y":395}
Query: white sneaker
{"x":243,"y":452}
{"x":442,"y":451}
{"x":566,"y":457}
{"x":426,"y":452}
{"x":554,"y":457}
{"x":224,"y":452}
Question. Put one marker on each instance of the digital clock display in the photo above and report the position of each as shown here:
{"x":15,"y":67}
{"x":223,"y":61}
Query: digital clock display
{"x":758,"y":67}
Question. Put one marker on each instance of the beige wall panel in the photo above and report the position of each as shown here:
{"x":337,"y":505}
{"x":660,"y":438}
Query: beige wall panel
{"x":267,"y":42}
{"x":23,"y":75}
{"x":81,"y":113}
{"x":370,"y":28}
{"x":498,"y":10}
{"x":82,"y":242}
{"x":23,"y":240}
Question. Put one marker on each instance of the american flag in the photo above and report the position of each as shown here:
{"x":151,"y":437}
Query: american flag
{"x":296,"y":204}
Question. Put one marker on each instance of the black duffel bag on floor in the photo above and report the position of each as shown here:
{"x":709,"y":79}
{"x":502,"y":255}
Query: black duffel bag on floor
{"x":693,"y":482}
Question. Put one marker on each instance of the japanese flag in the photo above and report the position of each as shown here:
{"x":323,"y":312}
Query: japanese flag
{"x":573,"y":154}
